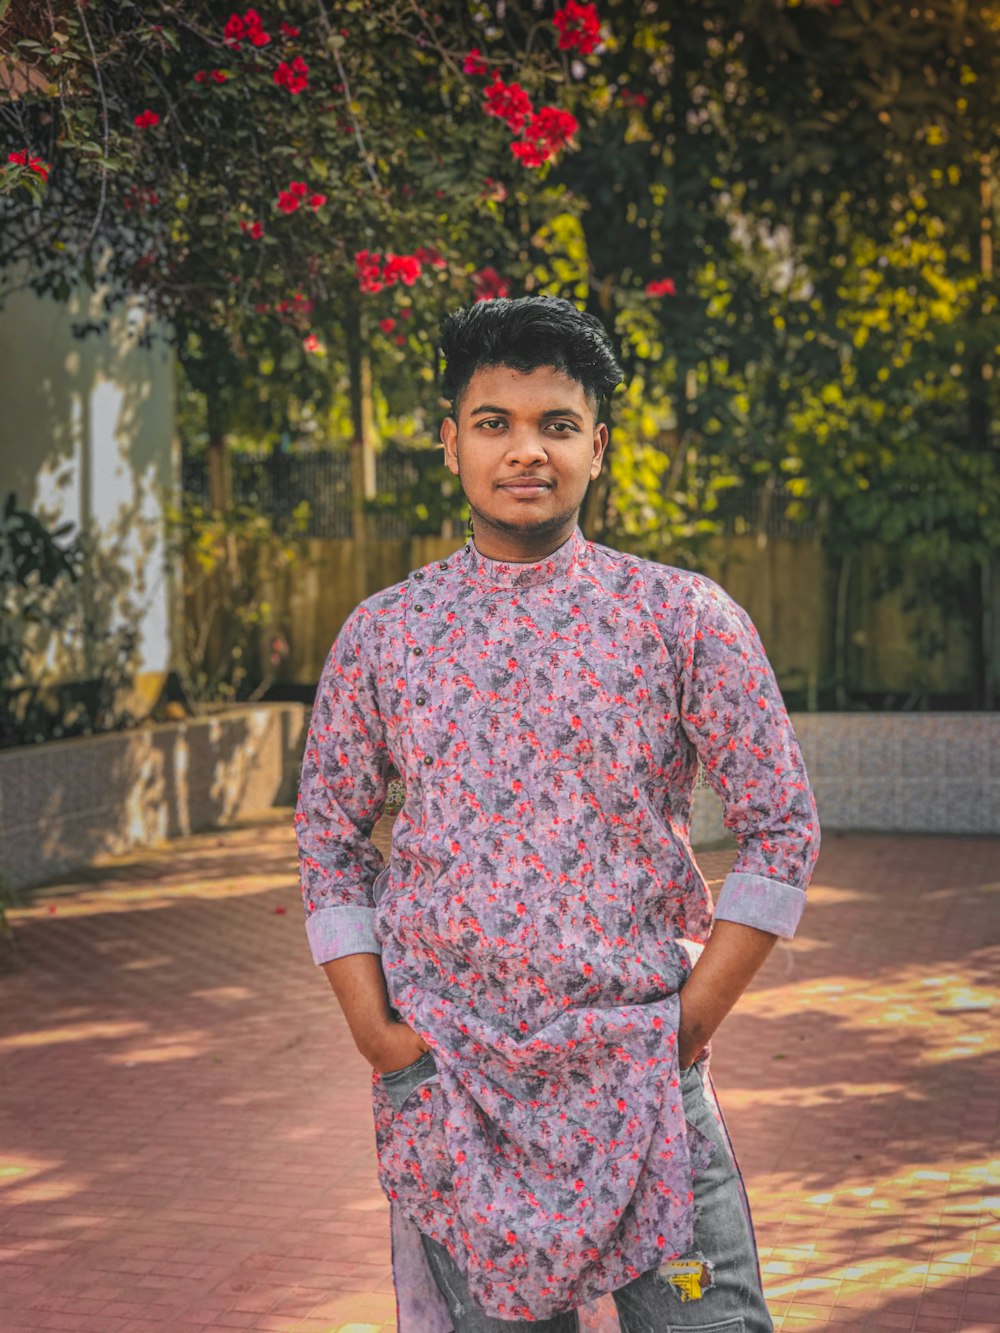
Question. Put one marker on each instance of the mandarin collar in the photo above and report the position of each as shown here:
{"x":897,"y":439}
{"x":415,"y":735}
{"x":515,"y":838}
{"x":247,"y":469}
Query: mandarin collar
{"x":505,"y":574}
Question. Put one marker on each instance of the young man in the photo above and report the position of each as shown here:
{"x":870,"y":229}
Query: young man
{"x":535,"y":976}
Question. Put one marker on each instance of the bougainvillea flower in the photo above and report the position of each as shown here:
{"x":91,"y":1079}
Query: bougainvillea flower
{"x":294,"y":76}
{"x":21,"y":158}
{"x":146,"y":120}
{"x":426,"y":255}
{"x":661,"y":287}
{"x":287,"y":201}
{"x":551,"y":128}
{"x":508,"y":102}
{"x":578,"y":26}
{"x":387,"y":325}
{"x":368,"y":267}
{"x":252,"y":229}
{"x":250,"y":26}
{"x":219,"y":76}
{"x":287,"y":30}
{"x":474,"y":62}
{"x":311,"y":343}
{"x":401,"y":268}
{"x":489,"y":285}
{"x":201,"y":76}
{"x":316,"y":201}
{"x":529,"y":154}
{"x":400,"y":340}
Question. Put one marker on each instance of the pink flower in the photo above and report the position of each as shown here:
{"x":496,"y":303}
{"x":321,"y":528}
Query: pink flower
{"x":311,"y":343}
{"x":287,"y":201}
{"x":294,"y":76}
{"x":21,"y":159}
{"x":489,"y":285}
{"x":661,"y":287}
{"x":578,"y":26}
{"x":387,"y":325}
{"x":146,"y":120}
{"x":474,"y":62}
{"x":316,"y":201}
{"x":508,"y":102}
{"x":234,"y":31}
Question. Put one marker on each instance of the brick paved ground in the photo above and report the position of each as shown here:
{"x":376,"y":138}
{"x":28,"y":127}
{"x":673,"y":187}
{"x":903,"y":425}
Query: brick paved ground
{"x":185,"y":1141}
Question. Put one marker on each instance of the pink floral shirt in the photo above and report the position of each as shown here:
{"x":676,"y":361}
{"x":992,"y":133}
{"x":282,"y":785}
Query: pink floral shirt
{"x":542,"y":907}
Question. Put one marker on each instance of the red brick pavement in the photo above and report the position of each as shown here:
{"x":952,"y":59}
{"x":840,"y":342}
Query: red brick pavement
{"x":186,"y":1144}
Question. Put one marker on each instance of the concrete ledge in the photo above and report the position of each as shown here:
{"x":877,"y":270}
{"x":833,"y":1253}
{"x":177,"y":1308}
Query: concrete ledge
{"x":66,"y":803}
{"x":891,"y":773}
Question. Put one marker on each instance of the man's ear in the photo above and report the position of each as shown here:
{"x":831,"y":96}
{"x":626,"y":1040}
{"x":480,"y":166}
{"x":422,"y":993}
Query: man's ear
{"x":449,"y":438}
{"x":600,"y":446}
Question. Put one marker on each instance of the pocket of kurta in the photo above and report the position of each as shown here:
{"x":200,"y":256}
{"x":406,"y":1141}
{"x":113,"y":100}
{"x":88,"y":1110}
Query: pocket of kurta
{"x":399,"y":1084}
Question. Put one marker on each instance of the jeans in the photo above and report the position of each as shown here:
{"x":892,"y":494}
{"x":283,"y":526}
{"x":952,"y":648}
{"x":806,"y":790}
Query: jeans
{"x":715,"y":1288}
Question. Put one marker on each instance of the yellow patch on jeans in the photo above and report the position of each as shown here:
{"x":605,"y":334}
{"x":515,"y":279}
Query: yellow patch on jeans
{"x":691,"y":1278}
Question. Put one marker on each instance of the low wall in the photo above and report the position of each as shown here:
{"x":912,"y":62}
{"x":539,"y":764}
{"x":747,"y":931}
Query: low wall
{"x":892,"y":773}
{"x":66,"y":803}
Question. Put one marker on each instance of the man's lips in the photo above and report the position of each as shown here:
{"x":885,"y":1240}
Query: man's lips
{"x":526,"y":485}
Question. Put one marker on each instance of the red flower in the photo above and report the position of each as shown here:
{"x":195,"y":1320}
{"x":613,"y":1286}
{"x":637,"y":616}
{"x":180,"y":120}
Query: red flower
{"x":401,"y":268}
{"x":579,"y":27}
{"x":316,"y":201}
{"x":529,"y":154}
{"x":406,"y":312}
{"x":287,"y":30}
{"x":661,"y":287}
{"x":508,"y":102}
{"x":252,"y":229}
{"x":35,"y":164}
{"x":250,"y":26}
{"x":428,"y":256}
{"x":368,"y":267}
{"x":201,"y":76}
{"x":400,"y":340}
{"x":387,"y":325}
{"x":489,"y":285}
{"x":293,"y":76}
{"x":287,"y":202}
{"x":147,"y":119}
{"x":299,"y":188}
{"x":474,"y":62}
{"x":311,"y":343}
{"x":219,"y":76}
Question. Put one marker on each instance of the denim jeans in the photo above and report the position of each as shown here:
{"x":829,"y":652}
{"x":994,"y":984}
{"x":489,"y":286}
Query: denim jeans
{"x":715,"y":1288}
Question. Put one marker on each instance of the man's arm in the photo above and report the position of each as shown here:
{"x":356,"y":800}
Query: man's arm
{"x":728,"y":963}
{"x":359,"y":985}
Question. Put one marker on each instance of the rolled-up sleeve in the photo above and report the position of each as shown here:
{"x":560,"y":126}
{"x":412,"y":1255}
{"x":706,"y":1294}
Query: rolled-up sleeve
{"x":341,"y":796}
{"x":732,"y":711}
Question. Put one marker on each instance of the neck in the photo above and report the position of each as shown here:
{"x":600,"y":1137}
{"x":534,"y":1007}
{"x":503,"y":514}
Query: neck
{"x":513,"y":546}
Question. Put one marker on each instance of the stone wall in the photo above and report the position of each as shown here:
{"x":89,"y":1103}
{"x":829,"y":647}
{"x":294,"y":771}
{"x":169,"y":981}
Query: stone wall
{"x":64,"y":804}
{"x":892,"y":773}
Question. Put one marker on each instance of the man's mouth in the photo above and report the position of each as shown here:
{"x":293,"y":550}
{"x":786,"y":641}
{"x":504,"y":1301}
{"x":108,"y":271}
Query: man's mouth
{"x":526,"y":485}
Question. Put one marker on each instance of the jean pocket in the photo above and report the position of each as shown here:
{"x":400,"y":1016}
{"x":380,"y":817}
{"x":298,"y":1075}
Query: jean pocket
{"x":399,"y":1084}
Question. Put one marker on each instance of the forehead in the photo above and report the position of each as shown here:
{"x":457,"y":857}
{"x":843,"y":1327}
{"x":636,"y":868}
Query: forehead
{"x":545,"y":389}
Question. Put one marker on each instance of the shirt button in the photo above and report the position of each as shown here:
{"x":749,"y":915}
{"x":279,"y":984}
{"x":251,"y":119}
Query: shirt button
{"x":418,"y":607}
{"x":443,"y":565}
{"x":421,"y":700}
{"x":418,"y":574}
{"x":418,"y":652}
{"x":428,"y":759}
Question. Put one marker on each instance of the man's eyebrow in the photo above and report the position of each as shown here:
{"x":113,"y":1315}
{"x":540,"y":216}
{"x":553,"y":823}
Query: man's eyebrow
{"x":506,"y":412}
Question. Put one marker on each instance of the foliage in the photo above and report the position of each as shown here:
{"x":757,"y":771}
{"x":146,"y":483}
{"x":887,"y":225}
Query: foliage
{"x":232,"y":647}
{"x":68,"y":633}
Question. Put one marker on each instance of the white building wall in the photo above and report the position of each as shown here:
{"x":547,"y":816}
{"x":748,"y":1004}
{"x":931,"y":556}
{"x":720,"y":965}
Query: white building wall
{"x":87,"y":435}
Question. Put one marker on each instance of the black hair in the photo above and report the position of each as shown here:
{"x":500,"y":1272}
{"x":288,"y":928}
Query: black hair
{"x":526,"y":334}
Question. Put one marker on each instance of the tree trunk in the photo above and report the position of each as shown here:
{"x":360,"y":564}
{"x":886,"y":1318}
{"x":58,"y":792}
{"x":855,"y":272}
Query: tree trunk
{"x":363,"y":483}
{"x":220,"y":479}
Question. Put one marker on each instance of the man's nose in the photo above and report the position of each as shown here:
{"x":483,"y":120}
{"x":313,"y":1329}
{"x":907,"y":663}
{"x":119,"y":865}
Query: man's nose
{"x":526,"y":446}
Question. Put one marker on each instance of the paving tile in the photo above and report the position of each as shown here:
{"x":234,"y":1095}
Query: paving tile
{"x":212,"y":1166}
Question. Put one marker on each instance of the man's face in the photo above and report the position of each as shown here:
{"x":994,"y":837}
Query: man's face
{"x":525,"y":447}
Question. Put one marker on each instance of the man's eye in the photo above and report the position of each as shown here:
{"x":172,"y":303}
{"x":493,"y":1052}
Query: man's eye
{"x":490,"y":422}
{"x":562,"y":427}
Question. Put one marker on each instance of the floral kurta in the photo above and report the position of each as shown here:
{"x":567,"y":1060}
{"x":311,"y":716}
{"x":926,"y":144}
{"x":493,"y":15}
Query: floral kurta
{"x":542,"y":907}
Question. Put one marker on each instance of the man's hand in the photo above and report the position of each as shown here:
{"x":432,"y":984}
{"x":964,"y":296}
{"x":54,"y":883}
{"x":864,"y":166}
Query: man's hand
{"x":395,"y":1047}
{"x":730,"y":959}
{"x":359,"y":985}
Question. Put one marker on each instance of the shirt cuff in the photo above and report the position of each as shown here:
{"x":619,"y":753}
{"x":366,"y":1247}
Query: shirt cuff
{"x":766,"y":904}
{"x":334,"y":932}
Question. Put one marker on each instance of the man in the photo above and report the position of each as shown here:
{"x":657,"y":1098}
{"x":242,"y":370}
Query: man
{"x":535,"y":976}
